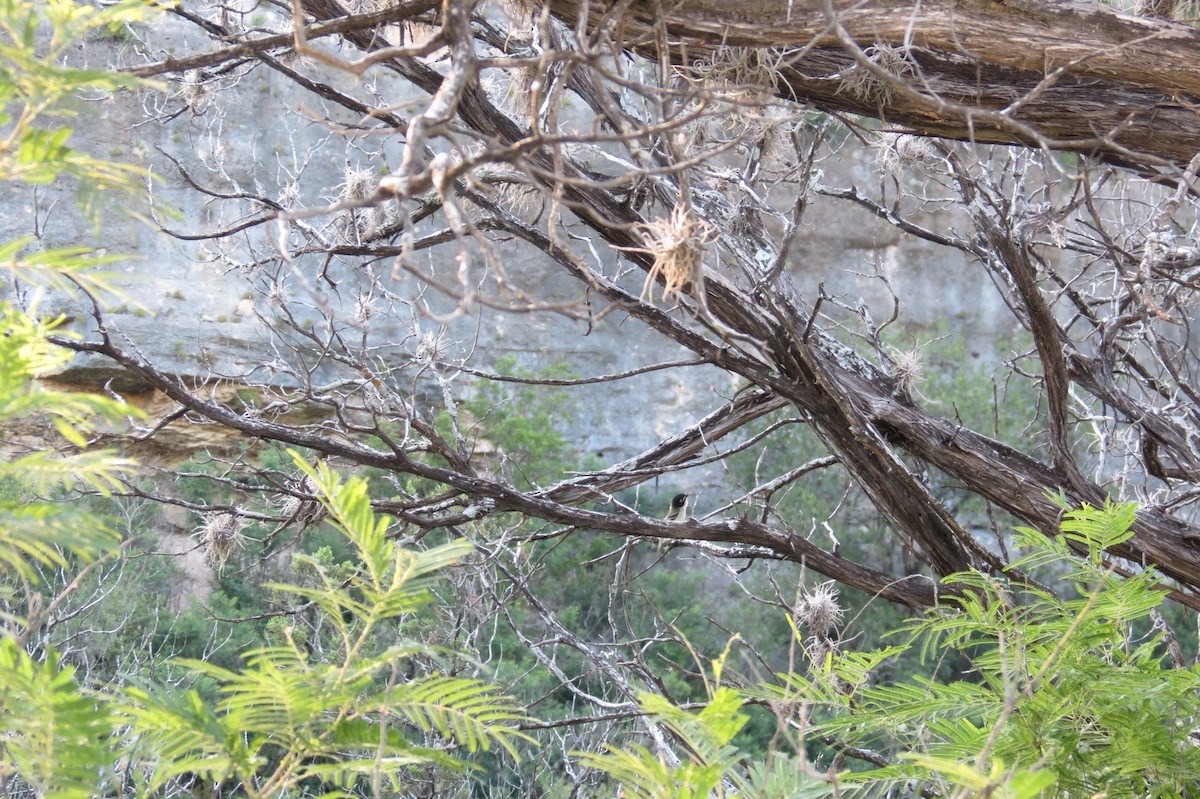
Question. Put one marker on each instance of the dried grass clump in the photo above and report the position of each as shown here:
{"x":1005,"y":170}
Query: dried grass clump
{"x":221,"y":535}
{"x":195,"y":91}
{"x":289,"y":197}
{"x":277,"y":294}
{"x":364,"y":309}
{"x":303,"y":512}
{"x":907,"y":367}
{"x":514,"y":91}
{"x":1158,"y":249}
{"x":740,"y":74}
{"x":521,"y":14}
{"x":860,"y":82}
{"x":677,"y":244}
{"x":366,"y":6}
{"x":358,"y":185}
{"x":1158,"y":9}
{"x":819,"y":610}
{"x":898,"y":151}
{"x":431,"y":347}
{"x":509,"y":188}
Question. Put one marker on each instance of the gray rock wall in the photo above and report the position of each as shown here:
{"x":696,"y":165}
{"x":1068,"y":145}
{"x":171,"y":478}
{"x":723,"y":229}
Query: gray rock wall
{"x":201,"y":309}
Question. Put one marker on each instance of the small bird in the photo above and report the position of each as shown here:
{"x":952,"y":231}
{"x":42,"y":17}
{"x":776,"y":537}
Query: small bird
{"x":677,"y":510}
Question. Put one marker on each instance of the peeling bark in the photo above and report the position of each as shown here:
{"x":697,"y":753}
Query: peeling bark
{"x":1069,"y":75}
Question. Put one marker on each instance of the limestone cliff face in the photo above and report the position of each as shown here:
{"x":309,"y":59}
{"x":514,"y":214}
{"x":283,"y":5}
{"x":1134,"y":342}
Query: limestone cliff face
{"x":208,"y":310}
{"x":227,"y":315}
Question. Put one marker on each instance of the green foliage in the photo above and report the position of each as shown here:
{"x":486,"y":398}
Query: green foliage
{"x":36,"y":83}
{"x":287,"y":717}
{"x":1056,"y":696}
{"x":713,"y":764}
{"x":64,"y":268}
{"x":283,"y":717}
{"x":53,"y":733}
{"x":26,"y":352}
{"x":525,"y":422}
{"x":59,"y":747}
{"x":1064,"y":698}
{"x":40,"y":532}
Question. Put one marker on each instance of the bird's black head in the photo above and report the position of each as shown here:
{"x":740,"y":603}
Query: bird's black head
{"x":679,"y":500}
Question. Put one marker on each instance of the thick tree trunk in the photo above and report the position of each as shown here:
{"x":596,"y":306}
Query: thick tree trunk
{"x":1069,"y":75}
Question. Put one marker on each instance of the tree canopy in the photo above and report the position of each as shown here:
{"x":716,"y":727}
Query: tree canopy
{"x":688,"y":124}
{"x":384,"y":190}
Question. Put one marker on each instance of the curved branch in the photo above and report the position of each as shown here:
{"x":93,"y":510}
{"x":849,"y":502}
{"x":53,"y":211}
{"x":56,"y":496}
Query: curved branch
{"x":395,"y":12}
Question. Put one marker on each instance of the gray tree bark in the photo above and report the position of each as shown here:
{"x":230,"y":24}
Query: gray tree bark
{"x":1070,"y":75}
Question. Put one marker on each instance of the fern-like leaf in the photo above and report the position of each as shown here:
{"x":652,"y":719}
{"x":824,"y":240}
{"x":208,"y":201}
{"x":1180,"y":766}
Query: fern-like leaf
{"x":475,"y":714}
{"x":54,"y":733}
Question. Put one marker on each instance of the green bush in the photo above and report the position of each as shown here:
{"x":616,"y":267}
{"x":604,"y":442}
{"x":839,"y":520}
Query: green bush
{"x":1065,"y":696}
{"x":287,"y":717}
